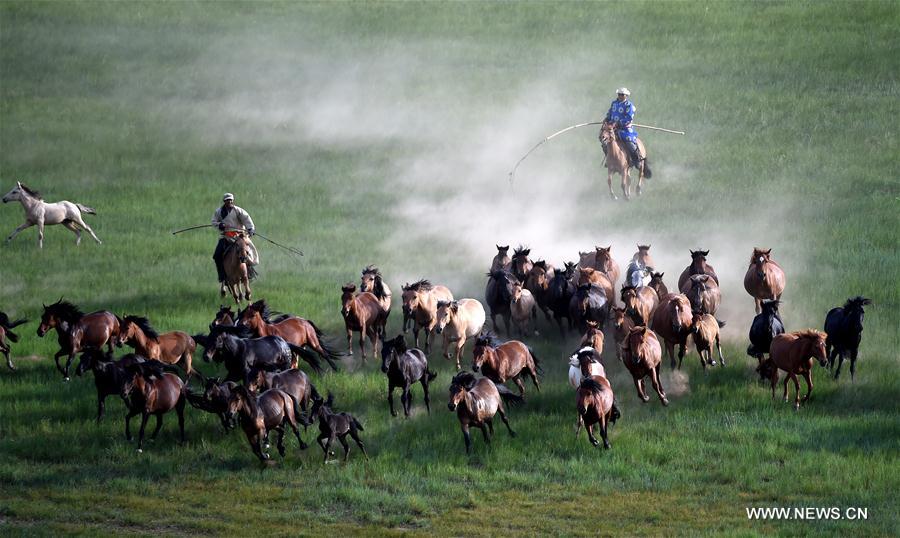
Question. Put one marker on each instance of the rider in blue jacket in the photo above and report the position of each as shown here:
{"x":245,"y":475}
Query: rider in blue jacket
{"x":621,"y":114}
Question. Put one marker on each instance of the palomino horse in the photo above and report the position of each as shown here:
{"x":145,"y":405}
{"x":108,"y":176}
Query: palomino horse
{"x":794,"y":353}
{"x":844,"y":327}
{"x":622,"y":325}
{"x":6,"y":328}
{"x":703,"y":293}
{"x":362,"y":313}
{"x":39,"y":213}
{"x":698,"y":266}
{"x":672,"y":322}
{"x":643,"y":257}
{"x":705,"y":330}
{"x":523,"y":309}
{"x":150,"y":393}
{"x":766,"y":325}
{"x":559,"y":295}
{"x":538,"y":283}
{"x":258,"y":415}
{"x":458,"y":321}
{"x":476,"y":401}
{"x":404,"y":367}
{"x":656,"y":282}
{"x":335,"y":426}
{"x":764,"y":279}
{"x":501,"y":260}
{"x":595,"y":402}
{"x":373,"y":282}
{"x":642,"y":355}
{"x":295,"y":330}
{"x":237,"y":267}
{"x":76,"y":331}
{"x":639,"y":303}
{"x":501,"y":362}
{"x":420,"y":301}
{"x":520,"y":265}
{"x":174,"y":347}
{"x":617,"y":162}
{"x":498,"y":296}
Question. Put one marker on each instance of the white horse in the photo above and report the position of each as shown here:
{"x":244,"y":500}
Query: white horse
{"x":38,"y":213}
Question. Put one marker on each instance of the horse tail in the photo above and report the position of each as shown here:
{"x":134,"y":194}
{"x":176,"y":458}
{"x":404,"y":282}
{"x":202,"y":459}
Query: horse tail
{"x":356,"y":423}
{"x":331,"y":353}
{"x":647,"y":172}
{"x":537,"y":363}
{"x":307,"y":356}
{"x":507,"y":395}
{"x":316,"y":329}
{"x":431,"y":375}
{"x":13,"y":337}
{"x":614,"y":413}
{"x":720,"y":322}
{"x":4,"y":321}
{"x":86,"y":209}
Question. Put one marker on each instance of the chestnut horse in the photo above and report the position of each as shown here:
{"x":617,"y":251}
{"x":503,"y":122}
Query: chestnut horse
{"x":604,"y":262}
{"x":501,"y":362}
{"x":617,"y":162}
{"x":698,"y":266}
{"x":639,"y":303}
{"x":174,"y":347}
{"x":77,"y":331}
{"x":622,"y":325}
{"x":420,"y":301}
{"x":656,"y":282}
{"x":363,"y":313}
{"x":458,"y":321}
{"x":794,"y":353}
{"x":6,"y":328}
{"x":476,"y":401}
{"x":236,"y":262}
{"x":642,"y":355}
{"x":705,"y":330}
{"x":764,"y":279}
{"x":703,"y":293}
{"x":672,"y":322}
{"x":148,"y":394}
{"x":643,"y":257}
{"x":593,"y":337}
{"x":295,"y":330}
{"x":589,"y":275}
{"x":596,"y":404}
{"x":372,"y":281}
{"x":538,"y":283}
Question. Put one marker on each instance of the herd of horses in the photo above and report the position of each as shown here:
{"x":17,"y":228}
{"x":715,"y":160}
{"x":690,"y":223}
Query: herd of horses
{"x":264,"y":389}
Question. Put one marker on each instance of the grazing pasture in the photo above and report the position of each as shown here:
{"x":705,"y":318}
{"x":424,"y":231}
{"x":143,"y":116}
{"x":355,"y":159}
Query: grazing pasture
{"x":382,"y":134}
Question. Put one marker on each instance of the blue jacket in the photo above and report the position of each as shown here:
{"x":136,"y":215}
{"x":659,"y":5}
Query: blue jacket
{"x":622,"y":114}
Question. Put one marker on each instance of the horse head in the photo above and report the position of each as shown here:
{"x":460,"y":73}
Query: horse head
{"x":699,"y":286}
{"x":390,"y":349}
{"x":759,"y":259}
{"x":618,"y":316}
{"x":603,"y":257}
{"x":459,"y":387}
{"x":521,"y":265}
{"x":767,"y":369}
{"x":484,"y":349}
{"x":445,"y":312}
{"x":680,"y":314}
{"x":854,"y":313}
{"x":517,"y":291}
{"x":607,"y":133}
{"x":347,"y":297}
{"x":698,"y":260}
{"x":370,"y":275}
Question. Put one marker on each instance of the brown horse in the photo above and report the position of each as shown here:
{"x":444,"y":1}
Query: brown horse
{"x":656,"y":282}
{"x":589,"y":275}
{"x":672,"y":322}
{"x":642,"y":355}
{"x":698,"y":266}
{"x":794,"y":353}
{"x":617,"y":161}
{"x":294,"y":382}
{"x":604,"y":262}
{"x":372,"y":281}
{"x":420,"y":301}
{"x":476,"y":401}
{"x":6,"y":327}
{"x":703,"y":292}
{"x":174,"y":347}
{"x":705,"y":330}
{"x":764,"y":278}
{"x":643,"y":257}
{"x":596,"y":404}
{"x":236,"y":262}
{"x":501,"y":260}
{"x":639,"y":303}
{"x":538,"y":283}
{"x":298,"y":331}
{"x":76,"y":331}
{"x":501,"y":362}
{"x":593,"y":337}
{"x":520,"y":265}
{"x":225,"y":316}
{"x":362,"y":313}
{"x":149,"y":393}
{"x":258,"y":415}
{"x":622,"y":325}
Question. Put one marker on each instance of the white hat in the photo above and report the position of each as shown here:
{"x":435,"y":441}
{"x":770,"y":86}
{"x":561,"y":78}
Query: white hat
{"x":228,"y":196}
{"x":623,"y":90}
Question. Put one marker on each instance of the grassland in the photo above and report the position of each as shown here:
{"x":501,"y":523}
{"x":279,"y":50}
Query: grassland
{"x":357,"y":131}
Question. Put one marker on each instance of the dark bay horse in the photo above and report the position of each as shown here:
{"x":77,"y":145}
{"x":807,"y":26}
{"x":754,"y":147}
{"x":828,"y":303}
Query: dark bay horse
{"x":844,"y":327}
{"x":259,"y":415}
{"x":240,"y":353}
{"x":766,"y":326}
{"x":501,"y":260}
{"x":501,"y":362}
{"x":77,"y":331}
{"x":295,"y":330}
{"x":294,"y":382}
{"x":538,"y":283}
{"x":656,"y":282}
{"x":672,"y":322}
{"x":698,"y":266}
{"x":6,"y":333}
{"x":173,"y":347}
{"x":642,"y":356}
{"x":153,"y":394}
{"x":497,"y":295}
{"x":336,"y":426}
{"x":225,"y":316}
{"x":373,"y":282}
{"x":559,"y":295}
{"x":520,"y":264}
{"x":764,"y":278}
{"x":362,"y":313}
{"x":110,"y":376}
{"x":794,"y":353}
{"x":703,"y":293}
{"x":476,"y":401}
{"x":404,"y":367}
{"x":215,"y":400}
{"x":595,"y":402}
{"x":420,"y":300}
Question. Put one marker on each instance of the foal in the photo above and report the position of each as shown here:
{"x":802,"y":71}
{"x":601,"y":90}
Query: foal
{"x":335,"y":426}
{"x":705,"y":329}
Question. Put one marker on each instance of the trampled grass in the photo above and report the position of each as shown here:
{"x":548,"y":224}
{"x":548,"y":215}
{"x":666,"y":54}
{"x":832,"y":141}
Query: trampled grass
{"x":382,"y":133}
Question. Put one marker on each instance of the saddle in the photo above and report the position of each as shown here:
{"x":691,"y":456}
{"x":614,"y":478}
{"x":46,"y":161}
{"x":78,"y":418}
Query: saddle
{"x":254,"y":254}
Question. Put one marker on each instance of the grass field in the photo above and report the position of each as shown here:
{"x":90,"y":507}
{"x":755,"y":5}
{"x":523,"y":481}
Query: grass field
{"x":383,"y":133}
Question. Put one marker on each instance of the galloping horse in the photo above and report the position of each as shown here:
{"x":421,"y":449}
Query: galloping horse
{"x":656,"y":282}
{"x":560,"y":293}
{"x":404,"y":367}
{"x":639,"y":303}
{"x":6,"y":328}
{"x":538,"y":283}
{"x":295,"y":330}
{"x":457,"y":321}
{"x":39,"y":213}
{"x":617,"y":162}
{"x":672,"y":322}
{"x":765,"y":278}
{"x":589,"y":304}
{"x":844,"y":327}
{"x":270,"y":411}
{"x":420,"y":301}
{"x":703,"y":293}
{"x":501,"y":362}
{"x":363,"y":313}
{"x":373,"y":282}
{"x":642,"y":355}
{"x":236,"y":262}
{"x":174,"y":347}
{"x":596,"y":404}
{"x":589,"y":275}
{"x":76,"y":331}
{"x":523,"y":309}
{"x":152,"y":394}
{"x":622,"y":325}
{"x":766,"y":326}
{"x":498,"y":295}
{"x":521,"y":265}
{"x":501,"y":260}
{"x":705,"y":329}
{"x":604,"y":262}
{"x":794,"y":353}
{"x":698,"y":266}
{"x":476,"y":401}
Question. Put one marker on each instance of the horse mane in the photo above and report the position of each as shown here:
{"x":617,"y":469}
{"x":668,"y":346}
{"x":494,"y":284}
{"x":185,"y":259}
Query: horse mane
{"x":856,"y":302}
{"x":399,"y":344}
{"x":349,"y":287}
{"x":145,"y":326}
{"x":30,"y":191}
{"x":540,"y":263}
{"x":488,"y":338}
{"x":521,"y":250}
{"x":811,"y":333}
{"x":65,"y":311}
{"x":421,"y":285}
{"x":591,"y":385}
{"x":371,"y":270}
{"x":696,"y":254}
{"x":262,"y":307}
{"x":466,"y":380}
{"x":770,"y":303}
{"x":249,"y":398}
{"x":235,"y":330}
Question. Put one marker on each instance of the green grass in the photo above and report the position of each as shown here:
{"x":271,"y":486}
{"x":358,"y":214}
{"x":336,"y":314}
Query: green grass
{"x":382,"y":133}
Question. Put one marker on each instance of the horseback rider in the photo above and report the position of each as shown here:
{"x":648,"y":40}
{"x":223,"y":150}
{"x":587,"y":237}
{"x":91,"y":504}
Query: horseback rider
{"x":231,"y":220}
{"x":621,"y":114}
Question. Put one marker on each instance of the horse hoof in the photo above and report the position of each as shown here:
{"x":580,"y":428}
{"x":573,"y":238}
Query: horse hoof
{"x":712,"y":363}
{"x":645,"y":399}
{"x":665,"y":402}
{"x":140,"y":451}
{"x":66,"y":379}
{"x":613,"y":196}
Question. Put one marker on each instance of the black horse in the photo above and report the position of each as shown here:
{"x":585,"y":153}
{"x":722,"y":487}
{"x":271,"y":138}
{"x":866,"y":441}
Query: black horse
{"x":844,"y":327}
{"x":766,"y":326}
{"x":214,"y":399}
{"x":335,"y":426}
{"x":559,"y":294}
{"x":240,"y":354}
{"x":109,"y":375}
{"x":6,"y":327}
{"x":498,"y":294}
{"x":403,"y":368}
{"x":589,"y":303}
